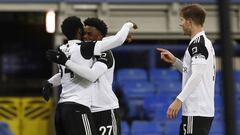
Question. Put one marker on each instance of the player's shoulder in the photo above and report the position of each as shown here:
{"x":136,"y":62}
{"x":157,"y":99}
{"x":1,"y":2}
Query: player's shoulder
{"x":198,"y":46}
{"x":200,"y":40}
{"x":87,"y":49}
{"x":107,"y":54}
{"x":107,"y":58}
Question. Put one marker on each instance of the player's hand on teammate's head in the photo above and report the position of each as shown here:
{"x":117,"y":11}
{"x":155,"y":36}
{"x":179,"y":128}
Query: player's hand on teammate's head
{"x":134,"y":25}
{"x":129,"y":38}
{"x":56,"y":56}
{"x":166,"y":55}
{"x":46,"y":86}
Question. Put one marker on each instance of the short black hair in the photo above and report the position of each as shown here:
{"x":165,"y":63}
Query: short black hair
{"x":98,"y":24}
{"x":70,"y":26}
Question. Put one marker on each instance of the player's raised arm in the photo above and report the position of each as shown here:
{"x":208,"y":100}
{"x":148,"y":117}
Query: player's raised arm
{"x":114,"y":41}
{"x":91,"y":74}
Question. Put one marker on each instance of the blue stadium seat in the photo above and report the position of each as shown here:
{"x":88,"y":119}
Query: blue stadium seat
{"x":124,"y":128}
{"x":164,"y":87}
{"x":135,"y":108}
{"x":237,"y":75}
{"x":158,"y":75}
{"x":131,"y":74}
{"x":218,"y":84}
{"x":134,"y":93}
{"x":161,"y":114}
{"x":136,"y":89}
{"x":156,"y":102}
{"x":146,"y":128}
{"x":217,"y":128}
{"x":218,"y":76}
{"x":237,"y":87}
{"x":238,"y":106}
{"x":172,"y":127}
{"x":219,"y":108}
{"x":218,"y":99}
{"x":218,"y":88}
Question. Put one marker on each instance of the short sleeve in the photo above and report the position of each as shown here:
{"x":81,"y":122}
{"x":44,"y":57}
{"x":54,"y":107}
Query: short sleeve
{"x":198,"y":51}
{"x":106,"y":58}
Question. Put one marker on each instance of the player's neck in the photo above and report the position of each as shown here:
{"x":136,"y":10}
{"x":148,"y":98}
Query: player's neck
{"x":195,"y":30}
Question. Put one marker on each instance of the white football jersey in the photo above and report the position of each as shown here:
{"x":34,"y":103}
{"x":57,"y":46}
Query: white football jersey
{"x":75,"y":88}
{"x":201,"y":101}
{"x":103,"y":97}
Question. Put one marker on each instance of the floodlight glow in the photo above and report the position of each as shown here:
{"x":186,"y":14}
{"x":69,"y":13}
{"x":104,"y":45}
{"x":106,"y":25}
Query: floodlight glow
{"x":50,"y":21}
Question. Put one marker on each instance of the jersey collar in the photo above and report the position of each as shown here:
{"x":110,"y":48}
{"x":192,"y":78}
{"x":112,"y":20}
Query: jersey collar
{"x":197,"y":35}
{"x":73,"y":41}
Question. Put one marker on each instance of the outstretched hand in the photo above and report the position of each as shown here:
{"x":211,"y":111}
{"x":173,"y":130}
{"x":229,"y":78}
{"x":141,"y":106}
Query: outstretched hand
{"x":56,"y":56}
{"x":166,"y":55}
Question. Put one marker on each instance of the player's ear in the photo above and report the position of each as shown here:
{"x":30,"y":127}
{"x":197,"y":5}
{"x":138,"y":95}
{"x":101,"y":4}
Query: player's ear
{"x":190,"y":21}
{"x":100,"y":37}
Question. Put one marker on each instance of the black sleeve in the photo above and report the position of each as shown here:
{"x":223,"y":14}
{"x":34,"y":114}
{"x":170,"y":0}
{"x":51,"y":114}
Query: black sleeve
{"x":106,"y":58}
{"x":87,"y":49}
{"x":198,"y":49}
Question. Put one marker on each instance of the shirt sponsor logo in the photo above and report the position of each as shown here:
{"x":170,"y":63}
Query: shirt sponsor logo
{"x":184,"y":69}
{"x":199,"y":56}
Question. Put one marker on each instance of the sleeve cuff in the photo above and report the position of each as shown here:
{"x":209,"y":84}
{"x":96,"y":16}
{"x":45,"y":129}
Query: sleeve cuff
{"x":129,"y":24}
{"x":177,"y":62}
{"x":180,"y":98}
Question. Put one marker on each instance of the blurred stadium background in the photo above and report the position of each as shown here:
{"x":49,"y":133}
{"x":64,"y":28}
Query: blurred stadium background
{"x":144,"y":84}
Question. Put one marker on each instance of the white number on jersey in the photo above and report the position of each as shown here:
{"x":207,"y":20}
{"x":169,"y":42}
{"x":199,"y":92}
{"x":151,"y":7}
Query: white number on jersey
{"x":104,"y":129}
